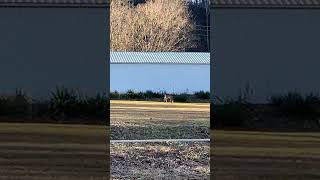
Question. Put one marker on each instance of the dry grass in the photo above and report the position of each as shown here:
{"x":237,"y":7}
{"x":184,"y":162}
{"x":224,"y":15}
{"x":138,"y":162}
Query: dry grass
{"x":52,"y":152}
{"x":158,"y":120}
{"x":160,"y":161}
{"x":206,"y":106}
{"x":265,"y":155}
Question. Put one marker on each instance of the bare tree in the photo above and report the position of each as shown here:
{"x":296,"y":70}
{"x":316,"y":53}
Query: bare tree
{"x":157,"y":25}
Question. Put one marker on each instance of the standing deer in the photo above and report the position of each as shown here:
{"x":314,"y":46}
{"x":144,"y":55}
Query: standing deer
{"x":168,"y":98}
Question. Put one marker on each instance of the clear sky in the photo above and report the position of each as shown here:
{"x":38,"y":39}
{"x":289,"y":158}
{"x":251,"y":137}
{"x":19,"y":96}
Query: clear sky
{"x":160,"y":77}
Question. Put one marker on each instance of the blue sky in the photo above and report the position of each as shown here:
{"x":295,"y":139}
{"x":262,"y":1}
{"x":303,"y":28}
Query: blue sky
{"x":160,"y":77}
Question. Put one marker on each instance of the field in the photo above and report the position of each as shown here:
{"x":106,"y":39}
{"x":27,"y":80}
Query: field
{"x":52,"y":152}
{"x":78,"y":152}
{"x":157,"y":120}
{"x":265,"y":155}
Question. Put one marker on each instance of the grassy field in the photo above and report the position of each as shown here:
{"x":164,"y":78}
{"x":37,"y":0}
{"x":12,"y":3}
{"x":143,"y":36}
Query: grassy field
{"x":150,"y":120}
{"x":52,"y":152}
{"x":158,"y":120}
{"x":265,"y":155}
{"x":69,"y":152}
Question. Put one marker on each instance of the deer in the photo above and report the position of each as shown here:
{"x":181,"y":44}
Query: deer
{"x":168,"y":98}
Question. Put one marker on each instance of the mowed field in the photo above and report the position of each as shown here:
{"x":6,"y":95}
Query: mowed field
{"x":265,"y":155}
{"x":136,"y":120}
{"x":52,"y":152}
{"x":159,"y":120}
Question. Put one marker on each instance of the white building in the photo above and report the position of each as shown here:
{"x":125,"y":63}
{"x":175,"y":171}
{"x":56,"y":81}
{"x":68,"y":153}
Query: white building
{"x":173,"y":72}
{"x":271,"y":45}
{"x":49,"y":43}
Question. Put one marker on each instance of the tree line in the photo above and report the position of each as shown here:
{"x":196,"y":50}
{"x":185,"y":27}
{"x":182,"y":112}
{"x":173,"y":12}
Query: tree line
{"x":199,"y":96}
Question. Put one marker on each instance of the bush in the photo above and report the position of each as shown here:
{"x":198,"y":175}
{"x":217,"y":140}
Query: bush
{"x":295,"y":104}
{"x":17,"y":105}
{"x":151,"y":95}
{"x":130,"y":94}
{"x":63,"y":103}
{"x":115,"y":95}
{"x":71,"y":103}
{"x":182,"y":97}
{"x":231,"y":114}
{"x":94,"y":106}
{"x":41,"y":109}
{"x":4,"y":104}
{"x":202,"y":95}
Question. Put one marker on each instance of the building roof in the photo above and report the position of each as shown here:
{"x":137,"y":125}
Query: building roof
{"x":295,"y":4}
{"x":55,"y":3}
{"x":159,"y":58}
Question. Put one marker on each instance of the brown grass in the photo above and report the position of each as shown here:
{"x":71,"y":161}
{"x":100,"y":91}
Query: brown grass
{"x":158,"y":120}
{"x":265,"y":155}
{"x":52,"y":152}
{"x":160,"y":161}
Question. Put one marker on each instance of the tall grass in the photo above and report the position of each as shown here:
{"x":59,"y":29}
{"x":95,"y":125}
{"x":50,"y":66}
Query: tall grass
{"x":17,"y":105}
{"x":296,"y":104}
{"x":75,"y":104}
{"x":62,"y":104}
{"x":234,"y":113}
{"x":292,"y":110}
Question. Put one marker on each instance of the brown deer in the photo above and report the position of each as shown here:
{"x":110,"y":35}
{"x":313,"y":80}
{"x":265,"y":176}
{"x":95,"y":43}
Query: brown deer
{"x":168,"y":98}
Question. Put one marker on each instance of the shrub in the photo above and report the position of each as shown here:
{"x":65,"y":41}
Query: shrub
{"x":115,"y":95}
{"x":41,"y":109}
{"x":21,"y":104}
{"x":231,"y":114}
{"x":149,"y":94}
{"x":94,"y":106}
{"x":202,"y":95}
{"x":4,"y":103}
{"x":17,"y":105}
{"x":130,"y":94}
{"x":295,"y":104}
{"x":66,"y":103}
{"x":184,"y":97}
{"x":63,"y":102}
